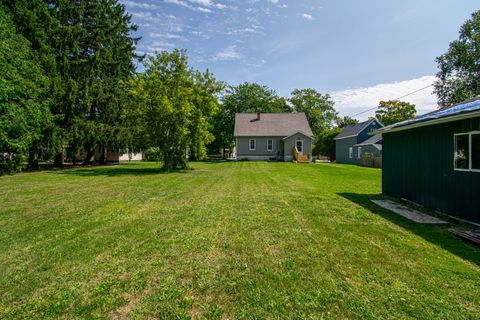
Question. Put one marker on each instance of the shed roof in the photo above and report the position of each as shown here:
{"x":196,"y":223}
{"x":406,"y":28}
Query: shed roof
{"x":354,"y":129}
{"x":465,"y":109}
{"x":271,"y":124}
{"x":376,"y":139}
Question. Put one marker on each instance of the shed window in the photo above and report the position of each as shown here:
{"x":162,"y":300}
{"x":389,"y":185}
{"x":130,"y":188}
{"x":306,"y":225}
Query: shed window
{"x":461,"y":152}
{"x":269,"y":145}
{"x":475,"y":150}
{"x":467,"y":151}
{"x":252,"y":144}
{"x":350,"y":152}
{"x":359,"y":152}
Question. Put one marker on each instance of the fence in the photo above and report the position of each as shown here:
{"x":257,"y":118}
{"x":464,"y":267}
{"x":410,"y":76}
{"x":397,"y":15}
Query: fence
{"x":371,"y":161}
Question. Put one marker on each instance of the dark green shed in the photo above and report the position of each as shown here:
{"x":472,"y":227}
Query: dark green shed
{"x":434,"y":160}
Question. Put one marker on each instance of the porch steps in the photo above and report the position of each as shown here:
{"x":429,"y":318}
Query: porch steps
{"x":299,"y":158}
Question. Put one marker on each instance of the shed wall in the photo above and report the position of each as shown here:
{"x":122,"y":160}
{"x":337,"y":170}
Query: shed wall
{"x":418,"y":166}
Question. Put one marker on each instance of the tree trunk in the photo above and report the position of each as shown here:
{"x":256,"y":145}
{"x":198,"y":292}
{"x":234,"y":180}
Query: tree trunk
{"x":103,"y":157}
{"x":33,"y":160}
{"x":58,"y":161}
{"x":88,"y":157}
{"x":224,"y":152}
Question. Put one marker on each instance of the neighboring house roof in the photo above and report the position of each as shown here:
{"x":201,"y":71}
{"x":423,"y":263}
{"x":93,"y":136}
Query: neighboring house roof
{"x":376,"y":139}
{"x":373,"y":141}
{"x":271,"y":124}
{"x":354,"y":129}
{"x":467,"y":109}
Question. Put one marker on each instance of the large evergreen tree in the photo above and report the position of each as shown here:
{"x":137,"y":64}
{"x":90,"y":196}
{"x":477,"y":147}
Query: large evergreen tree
{"x":99,"y":59}
{"x":23,"y":101}
{"x":86,"y":49}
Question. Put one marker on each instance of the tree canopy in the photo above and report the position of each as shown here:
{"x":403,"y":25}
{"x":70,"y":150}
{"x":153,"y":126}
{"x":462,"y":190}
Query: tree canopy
{"x":317,"y":107}
{"x":346,"y":121}
{"x":24,"y":109}
{"x":393,"y":111}
{"x":174,"y":104}
{"x":458,"y":78}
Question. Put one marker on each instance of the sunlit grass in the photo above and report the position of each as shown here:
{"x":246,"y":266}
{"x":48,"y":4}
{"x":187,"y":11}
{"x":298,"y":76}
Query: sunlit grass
{"x":226,"y":240}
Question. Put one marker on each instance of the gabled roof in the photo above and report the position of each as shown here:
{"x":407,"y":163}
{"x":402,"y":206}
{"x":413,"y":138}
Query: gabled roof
{"x":354,"y":129}
{"x":271,"y":124}
{"x":376,"y":139}
{"x":467,"y":109}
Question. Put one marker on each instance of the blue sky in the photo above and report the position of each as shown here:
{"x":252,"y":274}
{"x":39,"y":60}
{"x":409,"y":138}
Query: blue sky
{"x":360,"y":52}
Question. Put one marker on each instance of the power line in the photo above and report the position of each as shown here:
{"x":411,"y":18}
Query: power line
{"x":406,"y":95}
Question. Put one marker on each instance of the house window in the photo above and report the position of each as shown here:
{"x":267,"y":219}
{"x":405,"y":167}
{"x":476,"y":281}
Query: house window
{"x":350,"y":152}
{"x":467,"y":151}
{"x":359,"y":152}
{"x":269,"y":145}
{"x":252,"y":144}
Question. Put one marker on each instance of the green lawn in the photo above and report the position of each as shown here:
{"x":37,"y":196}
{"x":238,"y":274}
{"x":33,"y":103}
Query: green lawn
{"x":248,"y":240}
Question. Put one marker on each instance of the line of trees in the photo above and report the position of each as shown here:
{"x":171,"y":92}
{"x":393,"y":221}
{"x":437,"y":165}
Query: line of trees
{"x":69,"y":89}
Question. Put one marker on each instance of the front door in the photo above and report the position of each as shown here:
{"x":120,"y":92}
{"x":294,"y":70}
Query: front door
{"x":299,"y":145}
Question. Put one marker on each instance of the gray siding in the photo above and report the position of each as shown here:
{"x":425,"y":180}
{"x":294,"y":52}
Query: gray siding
{"x":243,"y":149}
{"x":281,"y":148}
{"x":342,"y":146}
{"x":342,"y":150}
{"x":290,"y":143}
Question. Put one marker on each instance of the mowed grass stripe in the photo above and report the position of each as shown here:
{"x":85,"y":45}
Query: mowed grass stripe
{"x":225,"y":240}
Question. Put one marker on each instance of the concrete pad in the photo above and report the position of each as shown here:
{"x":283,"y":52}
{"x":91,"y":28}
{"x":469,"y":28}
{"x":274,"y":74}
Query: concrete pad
{"x":408,"y":213}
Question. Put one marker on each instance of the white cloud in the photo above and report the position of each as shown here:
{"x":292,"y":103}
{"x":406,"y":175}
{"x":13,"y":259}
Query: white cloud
{"x":273,"y":1}
{"x":143,"y":5}
{"x":188,"y":6}
{"x":228,"y":54}
{"x":308,"y":16}
{"x":352,"y":101}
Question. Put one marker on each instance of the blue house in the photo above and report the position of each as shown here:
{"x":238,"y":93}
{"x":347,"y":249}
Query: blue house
{"x":358,"y":139}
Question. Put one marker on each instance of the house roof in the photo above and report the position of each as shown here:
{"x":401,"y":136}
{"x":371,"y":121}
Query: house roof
{"x":372,"y":140}
{"x":354,"y":129}
{"x":271,"y":124}
{"x":459,"y":111}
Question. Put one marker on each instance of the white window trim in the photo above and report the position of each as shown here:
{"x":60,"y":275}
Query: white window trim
{"x":250,"y":144}
{"x":469,"y":134}
{"x":269,"y":149}
{"x":299,"y":140}
{"x":350,"y":152}
{"x":359,"y":151}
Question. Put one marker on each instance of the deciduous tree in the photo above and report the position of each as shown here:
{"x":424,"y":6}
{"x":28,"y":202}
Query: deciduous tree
{"x":318,"y":108}
{"x":174,"y":104}
{"x":458,"y":78}
{"x":393,"y":111}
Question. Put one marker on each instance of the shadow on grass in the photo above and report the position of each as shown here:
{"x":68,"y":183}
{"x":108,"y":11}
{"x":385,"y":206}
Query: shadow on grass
{"x":438,"y":235}
{"x":116,"y":170}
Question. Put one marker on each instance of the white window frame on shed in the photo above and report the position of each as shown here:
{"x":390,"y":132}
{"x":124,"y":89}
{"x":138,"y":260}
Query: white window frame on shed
{"x":350,"y":152}
{"x":250,"y":144}
{"x":270,"y":145}
{"x":469,"y":134}
{"x":359,"y":151}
